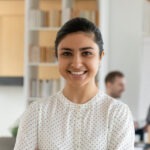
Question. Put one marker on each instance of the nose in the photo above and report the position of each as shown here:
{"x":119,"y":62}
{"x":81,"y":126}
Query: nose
{"x":76,"y":62}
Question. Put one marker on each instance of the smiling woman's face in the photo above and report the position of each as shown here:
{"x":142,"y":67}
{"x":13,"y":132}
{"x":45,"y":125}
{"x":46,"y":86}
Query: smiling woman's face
{"x":78,"y":58}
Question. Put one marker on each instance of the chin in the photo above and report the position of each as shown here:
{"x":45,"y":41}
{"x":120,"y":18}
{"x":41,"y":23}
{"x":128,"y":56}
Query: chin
{"x":119,"y":96}
{"x":77,"y":83}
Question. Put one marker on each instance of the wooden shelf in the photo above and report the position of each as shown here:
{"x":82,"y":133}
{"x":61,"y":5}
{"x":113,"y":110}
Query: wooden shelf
{"x":45,"y":29}
{"x":43,"y":64}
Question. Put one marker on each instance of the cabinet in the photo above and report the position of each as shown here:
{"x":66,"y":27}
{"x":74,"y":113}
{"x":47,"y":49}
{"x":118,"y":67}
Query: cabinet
{"x":43,"y":20}
{"x":11,"y":38}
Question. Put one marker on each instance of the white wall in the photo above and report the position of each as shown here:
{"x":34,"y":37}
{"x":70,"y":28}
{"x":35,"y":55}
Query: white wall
{"x":144,"y":102}
{"x":104,"y":27}
{"x":125,"y":23}
{"x":12,"y":106}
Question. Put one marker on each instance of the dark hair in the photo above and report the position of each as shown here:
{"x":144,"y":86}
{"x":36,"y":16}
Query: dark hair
{"x":77,"y":25}
{"x":110,"y":77}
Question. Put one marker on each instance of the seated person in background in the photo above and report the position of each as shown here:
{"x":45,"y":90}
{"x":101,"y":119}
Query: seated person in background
{"x":115,"y":84}
{"x":141,"y":131}
{"x":148,"y":117}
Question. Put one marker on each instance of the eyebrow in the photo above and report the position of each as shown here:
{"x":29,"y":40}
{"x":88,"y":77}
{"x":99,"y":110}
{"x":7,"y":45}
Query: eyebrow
{"x":81,"y":49}
{"x":86,"y":48}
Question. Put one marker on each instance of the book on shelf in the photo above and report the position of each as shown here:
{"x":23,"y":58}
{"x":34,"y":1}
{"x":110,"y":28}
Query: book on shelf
{"x":34,"y":53}
{"x":54,"y":18}
{"x":33,"y":88}
{"x":47,"y":54}
{"x":50,"y":54}
{"x":41,"y":18}
{"x":42,"y":54}
{"x":55,"y":86}
{"x":38,"y":18}
{"x":44,"y":88}
{"x":39,"y":88}
{"x":66,"y":15}
{"x":88,"y":14}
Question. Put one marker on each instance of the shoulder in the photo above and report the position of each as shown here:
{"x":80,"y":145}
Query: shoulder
{"x":44,"y":103}
{"x":119,"y":113}
{"x":111,"y":102}
{"x":114,"y":106}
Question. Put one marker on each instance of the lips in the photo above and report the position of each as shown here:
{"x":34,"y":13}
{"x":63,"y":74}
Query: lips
{"x":77,"y":73}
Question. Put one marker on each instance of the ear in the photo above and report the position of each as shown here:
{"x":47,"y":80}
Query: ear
{"x":102,"y":54}
{"x":108,"y":84}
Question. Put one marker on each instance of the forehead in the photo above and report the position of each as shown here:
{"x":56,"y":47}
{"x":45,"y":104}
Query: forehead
{"x":78,"y":39}
{"x":81,"y":33}
{"x":119,"y":80}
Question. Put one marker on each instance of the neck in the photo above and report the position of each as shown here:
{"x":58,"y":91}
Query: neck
{"x":111,"y":94}
{"x":80,"y":95}
{"x":108,"y":93}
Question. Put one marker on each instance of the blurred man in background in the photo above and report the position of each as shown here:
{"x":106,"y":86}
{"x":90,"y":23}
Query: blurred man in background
{"x":115,"y":84}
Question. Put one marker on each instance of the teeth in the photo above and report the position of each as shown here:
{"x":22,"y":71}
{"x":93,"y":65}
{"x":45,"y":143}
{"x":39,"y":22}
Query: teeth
{"x":77,"y":73}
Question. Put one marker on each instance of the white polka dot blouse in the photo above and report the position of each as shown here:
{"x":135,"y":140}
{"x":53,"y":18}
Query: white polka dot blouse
{"x":56,"y":123}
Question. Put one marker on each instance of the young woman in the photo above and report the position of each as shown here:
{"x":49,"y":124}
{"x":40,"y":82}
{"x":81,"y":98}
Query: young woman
{"x":80,"y":116}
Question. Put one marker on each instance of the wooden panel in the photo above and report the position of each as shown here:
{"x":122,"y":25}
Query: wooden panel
{"x":11,"y":45}
{"x":87,"y":5}
{"x":11,"y":7}
{"x":49,"y":5}
{"x":47,"y":38}
{"x":46,"y":73}
{"x":11,"y":38}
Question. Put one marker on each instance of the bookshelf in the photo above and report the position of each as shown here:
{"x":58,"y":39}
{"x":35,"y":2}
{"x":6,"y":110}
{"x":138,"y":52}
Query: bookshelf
{"x":43,"y":18}
{"x":44,"y":29}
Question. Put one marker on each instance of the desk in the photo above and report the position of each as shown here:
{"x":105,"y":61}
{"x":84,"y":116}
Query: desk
{"x":7,"y":143}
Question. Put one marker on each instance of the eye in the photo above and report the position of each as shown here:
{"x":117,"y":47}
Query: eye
{"x":86,"y":53}
{"x":66,"y":54}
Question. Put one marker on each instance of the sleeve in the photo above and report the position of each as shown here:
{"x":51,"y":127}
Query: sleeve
{"x":27,"y":132}
{"x":121,"y":134}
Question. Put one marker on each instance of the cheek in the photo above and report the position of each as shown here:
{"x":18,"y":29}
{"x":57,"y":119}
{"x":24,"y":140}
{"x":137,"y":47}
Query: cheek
{"x":118,"y":87}
{"x":114,"y":87}
{"x":62,"y":65}
{"x":94,"y":65}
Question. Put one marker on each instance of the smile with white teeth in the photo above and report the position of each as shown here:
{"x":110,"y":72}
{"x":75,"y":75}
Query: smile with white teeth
{"x":77,"y":73}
